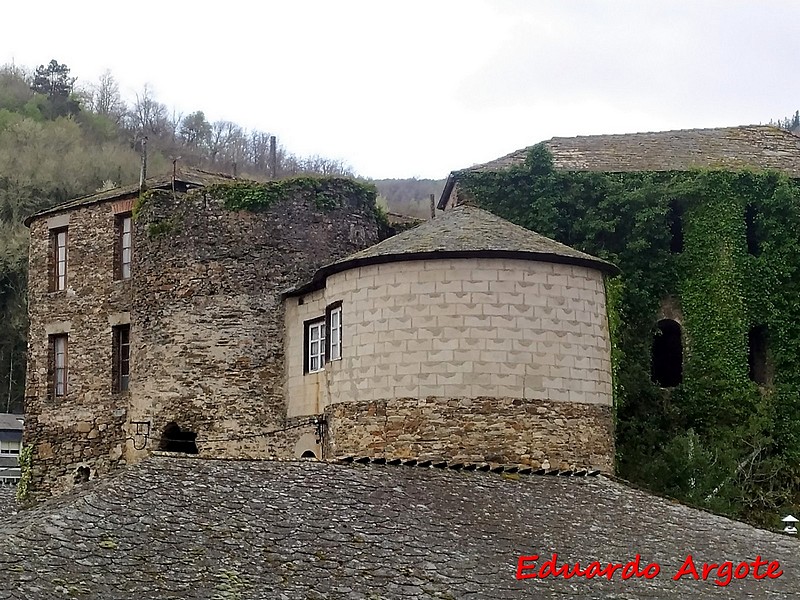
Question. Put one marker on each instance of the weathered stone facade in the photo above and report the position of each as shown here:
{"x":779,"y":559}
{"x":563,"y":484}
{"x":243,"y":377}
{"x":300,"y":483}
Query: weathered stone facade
{"x":86,"y":427}
{"x":537,"y":433}
{"x":497,"y":354}
{"x":206,"y":327}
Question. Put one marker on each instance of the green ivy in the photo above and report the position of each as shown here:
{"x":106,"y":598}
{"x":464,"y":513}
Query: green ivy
{"x":26,"y":473}
{"x":326,"y":193}
{"x":717,"y":440}
{"x":163,"y":227}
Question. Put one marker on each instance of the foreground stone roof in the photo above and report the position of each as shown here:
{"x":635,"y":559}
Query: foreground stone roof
{"x":192,"y":528}
{"x":464,"y":232}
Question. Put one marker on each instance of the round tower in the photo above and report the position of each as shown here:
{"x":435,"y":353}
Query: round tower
{"x":465,"y":339}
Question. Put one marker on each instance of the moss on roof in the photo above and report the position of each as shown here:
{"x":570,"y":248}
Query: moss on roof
{"x":188,"y":176}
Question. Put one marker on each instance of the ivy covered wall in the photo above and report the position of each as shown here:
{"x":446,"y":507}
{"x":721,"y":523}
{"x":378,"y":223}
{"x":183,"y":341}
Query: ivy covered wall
{"x":718,"y":251}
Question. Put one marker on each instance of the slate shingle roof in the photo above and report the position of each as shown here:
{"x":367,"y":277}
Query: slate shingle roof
{"x":465,"y":231}
{"x":749,"y":146}
{"x":11,"y":421}
{"x":193,"y":528}
{"x":191,"y":177}
{"x":753,"y":146}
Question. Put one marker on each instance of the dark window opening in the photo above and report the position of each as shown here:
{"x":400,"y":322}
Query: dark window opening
{"x":675,"y":220}
{"x":121,"y":357}
{"x":175,"y":439}
{"x":667,"y":356}
{"x":309,"y":454}
{"x":753,"y":246}
{"x":757,"y":354}
{"x":82,"y":474}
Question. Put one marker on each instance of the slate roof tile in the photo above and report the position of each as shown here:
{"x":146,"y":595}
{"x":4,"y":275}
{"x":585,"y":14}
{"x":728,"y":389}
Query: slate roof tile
{"x":465,"y":231}
{"x":194,"y":528}
{"x":749,"y":146}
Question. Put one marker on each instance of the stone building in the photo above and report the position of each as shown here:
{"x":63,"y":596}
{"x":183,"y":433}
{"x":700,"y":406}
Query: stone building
{"x":285,"y":331}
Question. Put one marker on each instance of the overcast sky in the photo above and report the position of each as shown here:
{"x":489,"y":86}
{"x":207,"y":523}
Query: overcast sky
{"x":408,"y":88}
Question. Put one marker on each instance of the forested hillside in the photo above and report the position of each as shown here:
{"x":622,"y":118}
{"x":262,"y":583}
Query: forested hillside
{"x":61,"y":138}
{"x":409,"y":196}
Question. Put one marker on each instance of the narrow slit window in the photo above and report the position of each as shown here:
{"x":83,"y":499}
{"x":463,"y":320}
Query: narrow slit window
{"x":675,"y":218}
{"x":753,"y":247}
{"x":126,"y":247}
{"x":757,"y":355}
{"x":667,"y":355}
{"x":59,"y":260}
{"x":315,"y":343}
{"x":334,"y":322}
{"x":58,"y":365}
{"x":122,"y":358}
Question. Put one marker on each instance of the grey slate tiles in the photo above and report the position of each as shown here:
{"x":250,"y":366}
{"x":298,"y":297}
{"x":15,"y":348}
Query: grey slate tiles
{"x":171,"y":528}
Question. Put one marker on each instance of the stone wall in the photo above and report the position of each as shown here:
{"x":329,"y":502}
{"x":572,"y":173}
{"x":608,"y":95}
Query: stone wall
{"x":208,"y":325}
{"x":85,"y":428}
{"x":457,"y":328}
{"x":538,"y":433}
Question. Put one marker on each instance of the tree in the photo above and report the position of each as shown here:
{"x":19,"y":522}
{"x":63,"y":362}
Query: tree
{"x":53,"y":80}
{"x":104,"y":97}
{"x":195,"y":130}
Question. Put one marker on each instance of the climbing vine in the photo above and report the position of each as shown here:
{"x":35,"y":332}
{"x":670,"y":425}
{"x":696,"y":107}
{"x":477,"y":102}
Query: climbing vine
{"x":718,"y":439}
{"x":26,"y":472}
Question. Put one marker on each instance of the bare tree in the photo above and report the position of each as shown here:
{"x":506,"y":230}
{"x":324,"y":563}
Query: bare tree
{"x":149,"y":116}
{"x":104,"y":97}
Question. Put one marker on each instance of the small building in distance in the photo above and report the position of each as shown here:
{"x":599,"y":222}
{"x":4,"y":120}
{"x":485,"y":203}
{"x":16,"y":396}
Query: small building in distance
{"x":10,"y":445}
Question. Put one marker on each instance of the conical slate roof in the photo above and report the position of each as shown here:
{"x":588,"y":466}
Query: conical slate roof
{"x":463,"y":232}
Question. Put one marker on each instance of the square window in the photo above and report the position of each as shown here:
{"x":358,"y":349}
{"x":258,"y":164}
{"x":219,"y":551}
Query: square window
{"x":9,"y":447}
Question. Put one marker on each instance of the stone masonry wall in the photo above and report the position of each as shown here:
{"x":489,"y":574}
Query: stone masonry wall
{"x":538,"y":433}
{"x":208,"y":326}
{"x":84,"y":429}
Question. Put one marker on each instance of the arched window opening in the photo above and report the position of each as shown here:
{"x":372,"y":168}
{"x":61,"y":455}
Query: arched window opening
{"x":753,"y":246}
{"x":675,"y":220}
{"x":308,"y":454}
{"x":82,"y":474}
{"x":174,"y":439}
{"x":757,"y":354}
{"x":667,"y":356}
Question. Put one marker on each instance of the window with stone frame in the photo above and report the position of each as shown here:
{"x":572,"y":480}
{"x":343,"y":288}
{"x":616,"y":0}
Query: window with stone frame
{"x":333,"y":323}
{"x":123,"y":251}
{"x":314,"y":345}
{"x":9,"y":447}
{"x":59,"y":365}
{"x":58,"y":259}
{"x":121,"y":357}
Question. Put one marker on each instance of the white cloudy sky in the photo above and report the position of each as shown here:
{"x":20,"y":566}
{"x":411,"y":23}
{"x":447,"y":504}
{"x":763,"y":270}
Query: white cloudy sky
{"x":402,"y":88}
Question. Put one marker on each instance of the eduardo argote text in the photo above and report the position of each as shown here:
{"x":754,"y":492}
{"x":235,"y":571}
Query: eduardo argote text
{"x":531,"y":567}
